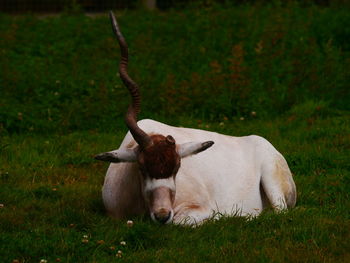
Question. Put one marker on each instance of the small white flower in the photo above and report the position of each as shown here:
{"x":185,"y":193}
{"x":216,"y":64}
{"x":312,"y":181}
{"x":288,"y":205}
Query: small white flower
{"x":2,"y":205}
{"x":129,"y":223}
{"x":123,"y":243}
{"x":119,"y":254}
{"x":242,"y":118}
{"x":85,"y":236}
{"x":253,"y":113}
{"x":43,"y":261}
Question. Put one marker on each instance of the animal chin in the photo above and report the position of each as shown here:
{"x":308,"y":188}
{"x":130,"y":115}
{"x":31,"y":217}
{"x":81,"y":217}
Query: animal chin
{"x":163,"y":218}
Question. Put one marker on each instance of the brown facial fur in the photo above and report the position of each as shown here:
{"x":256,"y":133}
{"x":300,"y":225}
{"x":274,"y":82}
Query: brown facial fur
{"x":161,"y":159}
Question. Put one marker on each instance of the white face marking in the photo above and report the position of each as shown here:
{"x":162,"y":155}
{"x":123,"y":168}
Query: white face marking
{"x":152,"y":183}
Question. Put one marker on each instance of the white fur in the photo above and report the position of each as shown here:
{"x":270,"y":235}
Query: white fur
{"x":152,"y":184}
{"x":227,"y":178}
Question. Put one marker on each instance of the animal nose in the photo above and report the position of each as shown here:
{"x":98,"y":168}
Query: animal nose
{"x":162,"y":217}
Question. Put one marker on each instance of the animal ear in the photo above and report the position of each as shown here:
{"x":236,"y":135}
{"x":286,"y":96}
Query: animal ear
{"x":190,"y":148}
{"x":117,"y":156}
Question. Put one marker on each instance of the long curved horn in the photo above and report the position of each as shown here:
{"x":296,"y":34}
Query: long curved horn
{"x":142,"y":138}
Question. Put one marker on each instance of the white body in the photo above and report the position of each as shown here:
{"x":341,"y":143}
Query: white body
{"x":236,"y":176}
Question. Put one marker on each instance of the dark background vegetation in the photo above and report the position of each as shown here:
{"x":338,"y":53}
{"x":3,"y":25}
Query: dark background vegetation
{"x":19,"y":6}
{"x":59,"y":74}
{"x":278,"y":69}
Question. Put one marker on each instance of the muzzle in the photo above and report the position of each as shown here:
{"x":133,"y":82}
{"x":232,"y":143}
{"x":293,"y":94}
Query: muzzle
{"x":163,"y":216}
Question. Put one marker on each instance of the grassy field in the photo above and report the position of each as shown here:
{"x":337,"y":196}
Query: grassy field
{"x":275,"y":71}
{"x":51,"y":192}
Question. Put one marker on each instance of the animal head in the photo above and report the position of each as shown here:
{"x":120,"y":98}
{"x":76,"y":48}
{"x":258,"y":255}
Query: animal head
{"x":158,"y":156}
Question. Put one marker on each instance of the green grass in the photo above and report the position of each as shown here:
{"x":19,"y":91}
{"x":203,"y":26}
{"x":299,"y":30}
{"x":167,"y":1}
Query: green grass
{"x":61,"y":103}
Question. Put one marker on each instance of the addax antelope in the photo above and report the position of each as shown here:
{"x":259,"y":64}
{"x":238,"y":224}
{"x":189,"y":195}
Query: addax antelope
{"x":186,"y":176}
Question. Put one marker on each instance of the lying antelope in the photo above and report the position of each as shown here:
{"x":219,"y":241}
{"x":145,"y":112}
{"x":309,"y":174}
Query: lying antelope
{"x":184,"y":175}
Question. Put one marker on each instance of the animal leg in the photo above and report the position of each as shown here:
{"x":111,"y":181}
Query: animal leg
{"x":194,"y":217}
{"x":278,"y":184}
